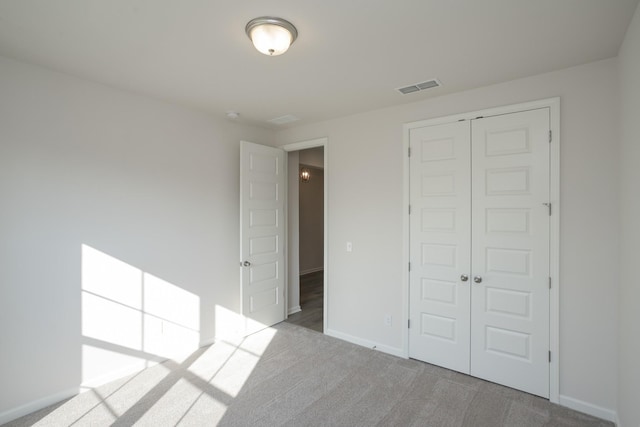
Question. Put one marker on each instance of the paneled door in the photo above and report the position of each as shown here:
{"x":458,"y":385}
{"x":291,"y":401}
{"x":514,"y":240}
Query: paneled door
{"x":262,"y":180}
{"x":440,"y":249}
{"x":510,"y":250}
{"x":479,"y":281}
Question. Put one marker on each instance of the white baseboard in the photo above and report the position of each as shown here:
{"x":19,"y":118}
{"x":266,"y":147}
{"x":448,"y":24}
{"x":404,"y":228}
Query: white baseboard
{"x":311,"y":270}
{"x":36,"y":405}
{"x":294,"y":309}
{"x":366,"y":343}
{"x":589,"y":408}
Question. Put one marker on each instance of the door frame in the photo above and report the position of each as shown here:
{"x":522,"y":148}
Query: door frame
{"x":297,"y":146}
{"x":554,"y":230}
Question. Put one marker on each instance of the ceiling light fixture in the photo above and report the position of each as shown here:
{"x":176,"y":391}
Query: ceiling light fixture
{"x":305,"y":175}
{"x":271,"y":36}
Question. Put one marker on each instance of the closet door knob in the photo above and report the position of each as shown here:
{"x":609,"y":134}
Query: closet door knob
{"x":477,"y":279}
{"x":464,"y":277}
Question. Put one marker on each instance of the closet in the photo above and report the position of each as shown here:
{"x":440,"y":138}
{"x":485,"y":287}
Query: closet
{"x":479,"y":247}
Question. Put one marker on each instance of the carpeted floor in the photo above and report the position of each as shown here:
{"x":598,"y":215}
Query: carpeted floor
{"x":288,"y":375}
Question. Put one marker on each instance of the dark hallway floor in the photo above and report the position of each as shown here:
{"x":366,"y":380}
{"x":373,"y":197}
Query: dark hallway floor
{"x":311,"y":302}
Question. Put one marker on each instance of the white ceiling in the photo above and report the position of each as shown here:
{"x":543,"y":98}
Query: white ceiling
{"x":350,"y":55}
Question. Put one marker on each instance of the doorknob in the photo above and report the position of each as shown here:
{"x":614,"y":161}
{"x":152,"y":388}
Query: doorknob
{"x":477,"y":279}
{"x":246,"y":264}
{"x":464,"y":277}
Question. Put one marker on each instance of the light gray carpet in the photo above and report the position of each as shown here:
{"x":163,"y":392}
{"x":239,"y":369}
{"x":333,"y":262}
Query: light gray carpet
{"x":291,"y":376}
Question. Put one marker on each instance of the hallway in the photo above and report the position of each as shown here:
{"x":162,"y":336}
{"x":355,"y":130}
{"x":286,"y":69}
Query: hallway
{"x":311,"y":302}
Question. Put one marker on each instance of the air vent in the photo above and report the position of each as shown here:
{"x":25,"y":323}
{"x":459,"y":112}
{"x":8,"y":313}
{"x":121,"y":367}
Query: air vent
{"x":409,"y":89}
{"x":283,"y":119}
{"x":419,"y":86}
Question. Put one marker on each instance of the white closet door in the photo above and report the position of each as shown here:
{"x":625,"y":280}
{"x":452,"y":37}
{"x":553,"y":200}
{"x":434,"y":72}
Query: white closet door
{"x":440,"y":247}
{"x":510,"y":250}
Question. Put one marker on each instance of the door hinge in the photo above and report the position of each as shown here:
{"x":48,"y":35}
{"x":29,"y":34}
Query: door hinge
{"x":409,"y":152}
{"x":548,"y":205}
{"x":409,"y":209}
{"x":408,"y":323}
{"x":550,"y":135}
{"x":549,"y":282}
{"x":549,"y":356}
{"x":409,"y":266}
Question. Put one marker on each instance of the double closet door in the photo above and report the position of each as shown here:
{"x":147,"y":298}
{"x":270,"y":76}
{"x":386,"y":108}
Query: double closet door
{"x":479,"y":248}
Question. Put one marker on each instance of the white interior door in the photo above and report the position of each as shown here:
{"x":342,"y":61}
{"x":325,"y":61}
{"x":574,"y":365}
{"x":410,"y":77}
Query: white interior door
{"x":262,"y":235}
{"x":510,"y":250}
{"x":440,"y":228}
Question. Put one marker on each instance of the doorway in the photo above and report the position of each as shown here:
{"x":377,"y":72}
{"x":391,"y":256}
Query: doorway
{"x":307,"y":235}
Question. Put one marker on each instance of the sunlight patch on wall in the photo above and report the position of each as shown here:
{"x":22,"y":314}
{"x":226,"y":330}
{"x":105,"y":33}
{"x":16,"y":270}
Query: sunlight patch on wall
{"x":171,"y":319}
{"x":228,"y":324}
{"x":131,"y":319}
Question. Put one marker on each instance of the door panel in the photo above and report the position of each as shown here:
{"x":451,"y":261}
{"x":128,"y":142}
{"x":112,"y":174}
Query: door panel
{"x":510,"y":250}
{"x":440,"y":248}
{"x":261,"y":235}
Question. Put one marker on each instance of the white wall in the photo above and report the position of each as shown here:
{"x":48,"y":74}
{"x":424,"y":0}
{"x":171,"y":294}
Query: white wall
{"x":151,"y":184}
{"x":312,"y":157}
{"x":311,"y":221}
{"x":629,"y":315}
{"x":366,"y":208}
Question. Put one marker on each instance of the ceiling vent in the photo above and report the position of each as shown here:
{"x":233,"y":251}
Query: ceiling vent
{"x":419,"y":86}
{"x":283,"y":119}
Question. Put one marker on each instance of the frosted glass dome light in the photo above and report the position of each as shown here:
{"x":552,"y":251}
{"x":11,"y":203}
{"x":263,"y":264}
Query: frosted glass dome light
{"x":271,"y":36}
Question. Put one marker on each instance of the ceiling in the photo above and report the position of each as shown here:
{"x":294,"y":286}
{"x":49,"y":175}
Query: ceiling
{"x":350,"y":55}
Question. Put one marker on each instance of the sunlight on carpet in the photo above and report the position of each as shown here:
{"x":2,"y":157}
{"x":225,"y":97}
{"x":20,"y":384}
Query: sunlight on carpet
{"x":169,"y":393}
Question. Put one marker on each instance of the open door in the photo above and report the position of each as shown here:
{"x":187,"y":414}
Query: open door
{"x":262,"y":235}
